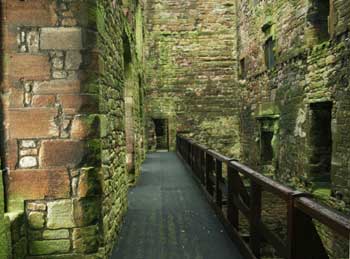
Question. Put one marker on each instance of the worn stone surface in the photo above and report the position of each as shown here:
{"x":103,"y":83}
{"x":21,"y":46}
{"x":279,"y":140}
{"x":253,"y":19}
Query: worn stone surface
{"x":85,"y":240}
{"x":44,"y":127}
{"x":191,"y":75}
{"x":43,"y":183}
{"x":60,"y":38}
{"x":71,"y":153}
{"x":56,"y":234}
{"x":60,"y":214}
{"x":36,"y":220}
{"x":48,"y":247}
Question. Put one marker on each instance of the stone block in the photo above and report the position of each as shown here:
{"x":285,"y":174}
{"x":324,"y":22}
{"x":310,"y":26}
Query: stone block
{"x":60,"y":214}
{"x":43,"y":184}
{"x":84,"y":127}
{"x":61,"y":39}
{"x":56,"y":234}
{"x":73,"y":60}
{"x":85,"y":240}
{"x":48,"y":247}
{"x":71,"y":153}
{"x":36,"y":206}
{"x":43,"y":101}
{"x":28,"y":162}
{"x":57,"y":87}
{"x":28,"y":152}
{"x":12,"y":154}
{"x":79,"y":103}
{"x":28,"y":143}
{"x":31,"y":13}
{"x":36,"y":220}
{"x":89,"y":182}
{"x":86,"y":211}
{"x":32,"y":123}
{"x":30,"y":67}
{"x":16,"y":97}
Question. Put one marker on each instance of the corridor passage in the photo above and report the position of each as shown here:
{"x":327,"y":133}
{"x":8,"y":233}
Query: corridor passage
{"x":169,"y":217}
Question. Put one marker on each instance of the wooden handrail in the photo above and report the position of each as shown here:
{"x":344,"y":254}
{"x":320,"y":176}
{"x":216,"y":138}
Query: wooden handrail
{"x":303,"y":240}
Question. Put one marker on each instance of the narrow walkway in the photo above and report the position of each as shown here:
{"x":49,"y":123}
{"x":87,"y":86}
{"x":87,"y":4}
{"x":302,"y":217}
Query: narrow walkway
{"x":169,"y":217}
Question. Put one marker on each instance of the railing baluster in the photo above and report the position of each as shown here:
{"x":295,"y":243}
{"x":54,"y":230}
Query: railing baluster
{"x":303,"y":239}
{"x":209,"y":168}
{"x":218,"y":169}
{"x":232,"y":210}
{"x":255,"y":218}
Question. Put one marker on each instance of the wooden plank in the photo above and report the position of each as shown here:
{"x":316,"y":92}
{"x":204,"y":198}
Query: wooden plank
{"x":255,"y":219}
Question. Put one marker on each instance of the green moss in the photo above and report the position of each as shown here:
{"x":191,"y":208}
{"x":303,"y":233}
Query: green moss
{"x":92,"y":152}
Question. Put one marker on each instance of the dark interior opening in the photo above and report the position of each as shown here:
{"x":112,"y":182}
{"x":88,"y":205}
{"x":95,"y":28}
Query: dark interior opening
{"x":266,"y":147}
{"x":269,"y":53}
{"x":127,"y":52}
{"x":242,"y":68}
{"x":321,"y":141}
{"x":318,"y":17}
{"x":162,"y":133}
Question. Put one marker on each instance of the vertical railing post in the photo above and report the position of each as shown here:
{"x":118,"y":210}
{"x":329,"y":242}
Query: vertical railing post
{"x":218,"y":192}
{"x":304,"y":241}
{"x":232,"y":210}
{"x":209,"y":160}
{"x":255,"y":218}
{"x":202,"y":166}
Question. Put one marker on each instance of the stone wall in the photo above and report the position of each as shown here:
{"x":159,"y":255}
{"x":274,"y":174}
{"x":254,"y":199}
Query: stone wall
{"x":281,"y":100}
{"x":64,"y":105}
{"x":122,"y":76}
{"x":307,"y":72}
{"x":191,"y":70}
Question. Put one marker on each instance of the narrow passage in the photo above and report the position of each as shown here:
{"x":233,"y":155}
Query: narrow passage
{"x":169,"y":217}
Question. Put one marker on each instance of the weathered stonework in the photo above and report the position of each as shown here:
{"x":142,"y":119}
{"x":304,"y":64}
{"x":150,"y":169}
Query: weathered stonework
{"x":191,"y":76}
{"x":84,"y":80}
{"x":64,"y":126}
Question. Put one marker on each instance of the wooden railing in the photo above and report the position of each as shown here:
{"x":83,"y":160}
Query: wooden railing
{"x":240,"y":193}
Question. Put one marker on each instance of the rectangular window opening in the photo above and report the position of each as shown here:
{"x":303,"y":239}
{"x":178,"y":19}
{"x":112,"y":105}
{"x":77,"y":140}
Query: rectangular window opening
{"x":321,"y":141}
{"x":319,"y":19}
{"x":242,"y":69}
{"x":269,"y":53}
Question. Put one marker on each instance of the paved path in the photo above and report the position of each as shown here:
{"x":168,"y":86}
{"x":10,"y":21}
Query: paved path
{"x":169,"y":217}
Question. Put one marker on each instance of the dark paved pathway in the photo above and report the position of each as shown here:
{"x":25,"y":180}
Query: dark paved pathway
{"x":169,"y":217}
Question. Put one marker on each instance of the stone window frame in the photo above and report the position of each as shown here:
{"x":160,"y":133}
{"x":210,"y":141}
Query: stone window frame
{"x":269,"y":46}
{"x":315,"y":36}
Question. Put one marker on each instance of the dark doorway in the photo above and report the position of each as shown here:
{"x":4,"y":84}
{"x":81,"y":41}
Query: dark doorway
{"x":321,"y":141}
{"x":162,"y":134}
{"x":266,"y":147}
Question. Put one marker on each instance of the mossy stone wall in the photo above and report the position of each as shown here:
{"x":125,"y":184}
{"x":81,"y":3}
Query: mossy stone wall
{"x":191,"y":71}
